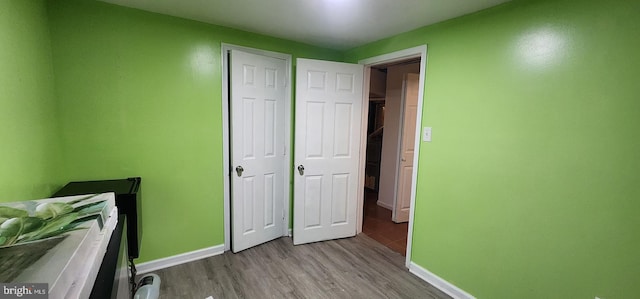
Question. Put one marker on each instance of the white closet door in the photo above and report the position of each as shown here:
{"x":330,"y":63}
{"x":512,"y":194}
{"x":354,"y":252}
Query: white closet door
{"x":327,"y":149}
{"x":257,"y":148}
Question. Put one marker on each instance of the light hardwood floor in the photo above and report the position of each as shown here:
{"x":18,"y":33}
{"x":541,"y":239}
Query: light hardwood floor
{"x":377,"y":225}
{"x":357,"y":267}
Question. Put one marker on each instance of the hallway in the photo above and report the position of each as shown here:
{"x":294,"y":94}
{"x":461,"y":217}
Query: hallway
{"x":377,"y":225}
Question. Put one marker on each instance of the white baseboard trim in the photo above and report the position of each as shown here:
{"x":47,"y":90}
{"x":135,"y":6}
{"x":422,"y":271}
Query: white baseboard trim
{"x":439,"y":283}
{"x":384,"y":205}
{"x":290,"y":233}
{"x":182,"y":258}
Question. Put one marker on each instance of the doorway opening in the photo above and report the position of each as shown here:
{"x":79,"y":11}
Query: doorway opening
{"x":384,"y":61}
{"x":393,"y":93}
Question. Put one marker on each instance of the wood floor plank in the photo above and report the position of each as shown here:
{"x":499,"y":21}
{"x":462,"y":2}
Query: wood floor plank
{"x":357,"y":267}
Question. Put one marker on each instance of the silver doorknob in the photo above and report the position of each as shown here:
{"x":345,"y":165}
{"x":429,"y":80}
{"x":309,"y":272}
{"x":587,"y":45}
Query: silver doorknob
{"x":301,"y":169}
{"x":239,"y":170}
{"x":403,"y":160}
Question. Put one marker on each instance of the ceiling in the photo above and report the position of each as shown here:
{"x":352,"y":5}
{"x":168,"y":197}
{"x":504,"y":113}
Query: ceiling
{"x":335,"y":24}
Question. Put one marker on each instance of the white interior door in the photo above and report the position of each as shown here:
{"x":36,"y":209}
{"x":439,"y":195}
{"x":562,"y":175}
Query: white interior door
{"x":327,"y":149}
{"x":405,"y":171}
{"x":257,"y":148}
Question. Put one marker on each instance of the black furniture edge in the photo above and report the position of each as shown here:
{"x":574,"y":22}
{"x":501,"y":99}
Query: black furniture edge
{"x":103,"y":286}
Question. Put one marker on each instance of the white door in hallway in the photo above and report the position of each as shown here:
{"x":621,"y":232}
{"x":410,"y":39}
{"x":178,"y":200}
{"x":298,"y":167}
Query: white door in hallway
{"x":407,"y":143}
{"x":257,"y":95}
{"x":328,"y":117}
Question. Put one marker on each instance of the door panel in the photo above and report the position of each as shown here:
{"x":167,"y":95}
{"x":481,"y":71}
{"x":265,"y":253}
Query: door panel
{"x":328,"y":120}
{"x":410,"y":114}
{"x":257,"y":145}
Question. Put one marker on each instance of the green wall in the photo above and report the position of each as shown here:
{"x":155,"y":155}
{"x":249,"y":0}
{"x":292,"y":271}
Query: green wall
{"x":29,"y":154}
{"x":140,"y":95}
{"x":530,"y":188}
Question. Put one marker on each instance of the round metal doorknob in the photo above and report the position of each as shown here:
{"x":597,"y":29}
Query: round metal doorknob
{"x":301,"y":169}
{"x":239,"y":170}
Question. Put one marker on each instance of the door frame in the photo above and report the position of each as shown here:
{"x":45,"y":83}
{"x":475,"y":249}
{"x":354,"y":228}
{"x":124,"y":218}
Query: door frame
{"x":415,"y":52}
{"x":226,"y":164}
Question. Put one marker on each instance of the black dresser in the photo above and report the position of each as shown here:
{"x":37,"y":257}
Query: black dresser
{"x":128,"y":201}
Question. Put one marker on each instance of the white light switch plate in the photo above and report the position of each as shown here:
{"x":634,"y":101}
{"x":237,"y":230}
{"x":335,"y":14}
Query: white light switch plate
{"x":426,"y":134}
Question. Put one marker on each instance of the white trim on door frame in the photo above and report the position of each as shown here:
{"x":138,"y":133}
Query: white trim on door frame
{"x":415,"y":52}
{"x":225,"y":136}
